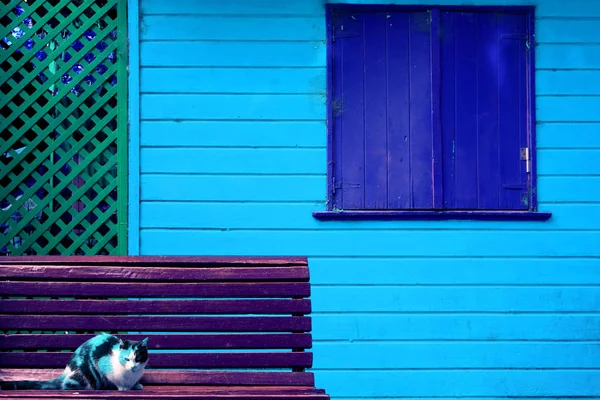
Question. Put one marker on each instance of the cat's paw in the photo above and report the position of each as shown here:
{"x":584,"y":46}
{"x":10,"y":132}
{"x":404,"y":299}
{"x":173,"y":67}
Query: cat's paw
{"x":137,"y":386}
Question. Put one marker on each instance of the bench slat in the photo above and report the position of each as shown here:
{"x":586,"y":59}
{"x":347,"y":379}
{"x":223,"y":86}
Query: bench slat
{"x":173,"y":360}
{"x":136,"y":289}
{"x":175,"y":342}
{"x":155,"y":323}
{"x":154,"y":377}
{"x":139,"y":273}
{"x":155,"y":307}
{"x":156,"y":260}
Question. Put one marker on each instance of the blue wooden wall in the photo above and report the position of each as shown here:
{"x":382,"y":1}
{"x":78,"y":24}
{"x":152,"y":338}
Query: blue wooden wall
{"x":233,"y":161}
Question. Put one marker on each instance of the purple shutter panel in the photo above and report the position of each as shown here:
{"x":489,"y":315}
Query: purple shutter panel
{"x":483,"y":110}
{"x":382,"y":120}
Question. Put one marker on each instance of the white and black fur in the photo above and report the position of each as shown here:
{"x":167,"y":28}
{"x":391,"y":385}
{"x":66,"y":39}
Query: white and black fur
{"x":104,"y":362}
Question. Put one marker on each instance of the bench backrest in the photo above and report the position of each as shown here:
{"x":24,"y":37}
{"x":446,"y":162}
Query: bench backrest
{"x":211,"y":321}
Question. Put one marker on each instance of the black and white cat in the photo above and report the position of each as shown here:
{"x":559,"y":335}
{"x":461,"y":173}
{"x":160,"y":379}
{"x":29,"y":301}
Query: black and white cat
{"x":104,"y":362}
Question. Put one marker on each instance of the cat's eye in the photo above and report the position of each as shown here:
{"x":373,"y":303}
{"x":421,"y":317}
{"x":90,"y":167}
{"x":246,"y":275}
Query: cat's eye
{"x":127,"y":359}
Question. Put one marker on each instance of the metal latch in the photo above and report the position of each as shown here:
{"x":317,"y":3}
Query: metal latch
{"x":525,"y":157}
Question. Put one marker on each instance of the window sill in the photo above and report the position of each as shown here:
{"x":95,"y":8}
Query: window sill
{"x":417,"y":215}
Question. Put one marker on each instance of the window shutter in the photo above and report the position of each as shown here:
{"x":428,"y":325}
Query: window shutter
{"x":382,"y":119}
{"x":483,"y":110}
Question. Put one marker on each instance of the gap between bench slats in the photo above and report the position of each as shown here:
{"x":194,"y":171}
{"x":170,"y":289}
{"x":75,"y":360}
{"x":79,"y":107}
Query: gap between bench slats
{"x":173,"y":360}
{"x":174,"y":342}
{"x":153,"y":377}
{"x":88,"y":307}
{"x":155,"y":323}
{"x":208,"y":261}
{"x":137,"y":289}
{"x":138,"y":273}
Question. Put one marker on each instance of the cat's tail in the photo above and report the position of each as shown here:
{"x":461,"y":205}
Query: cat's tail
{"x":25,"y":385}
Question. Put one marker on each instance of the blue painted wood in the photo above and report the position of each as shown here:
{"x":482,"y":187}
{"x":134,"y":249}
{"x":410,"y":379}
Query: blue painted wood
{"x":213,"y":211}
{"x":568,"y":109}
{"x":458,"y":383}
{"x":544,"y":8}
{"x":567,"y":31}
{"x":232,"y":160}
{"x":297,"y":134}
{"x":282,"y":215}
{"x":349,"y":110}
{"x":229,"y":80}
{"x":459,"y":109}
{"x":237,"y":54}
{"x":569,"y":162}
{"x":369,"y":174}
{"x":399,"y":84}
{"x":408,"y":243}
{"x":133,"y":108}
{"x":227,"y":27}
{"x":453,"y":327}
{"x":163,"y":187}
{"x":312,"y":188}
{"x":291,"y":160}
{"x":571,"y":82}
{"x":457,"y":299}
{"x":376,"y":111}
{"x":516,"y":183}
{"x":492,"y":149}
{"x":219,"y":7}
{"x":568,"y":56}
{"x":459,"y":355}
{"x":240,"y":107}
{"x":421,"y":129}
{"x":483,"y":110}
{"x":568,"y":135}
{"x":436,"y":122}
{"x":488,"y":271}
{"x":569,"y":189}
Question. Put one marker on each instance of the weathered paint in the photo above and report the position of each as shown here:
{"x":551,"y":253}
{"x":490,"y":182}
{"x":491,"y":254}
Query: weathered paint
{"x":233,"y":161}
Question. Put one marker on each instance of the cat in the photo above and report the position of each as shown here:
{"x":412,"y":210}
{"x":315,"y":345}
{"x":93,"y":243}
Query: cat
{"x":104,"y":362}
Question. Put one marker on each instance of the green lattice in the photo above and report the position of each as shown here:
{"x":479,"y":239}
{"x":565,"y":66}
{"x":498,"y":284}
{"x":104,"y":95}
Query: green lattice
{"x":63,"y":119}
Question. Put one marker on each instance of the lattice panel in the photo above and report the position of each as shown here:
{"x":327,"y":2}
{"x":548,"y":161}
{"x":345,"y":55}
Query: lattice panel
{"x":63,"y":118}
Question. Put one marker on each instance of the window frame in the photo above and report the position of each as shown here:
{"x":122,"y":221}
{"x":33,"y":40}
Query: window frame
{"x":530,"y":214}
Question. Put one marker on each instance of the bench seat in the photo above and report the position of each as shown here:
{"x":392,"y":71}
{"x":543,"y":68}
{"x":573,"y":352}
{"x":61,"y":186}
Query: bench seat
{"x":218,"y":327}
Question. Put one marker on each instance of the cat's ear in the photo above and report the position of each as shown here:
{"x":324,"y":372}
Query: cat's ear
{"x":144,"y":343}
{"x":121,"y":342}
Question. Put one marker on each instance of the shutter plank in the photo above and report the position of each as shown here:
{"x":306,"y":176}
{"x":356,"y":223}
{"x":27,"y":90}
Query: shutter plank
{"x":421,"y":129}
{"x":512,"y":108}
{"x":398,"y":100}
{"x":460,"y":106}
{"x":375,"y":111}
{"x":348,"y":111}
{"x":488,"y":158}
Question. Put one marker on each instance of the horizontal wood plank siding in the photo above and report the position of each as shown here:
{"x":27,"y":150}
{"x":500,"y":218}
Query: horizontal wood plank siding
{"x":233,"y":162}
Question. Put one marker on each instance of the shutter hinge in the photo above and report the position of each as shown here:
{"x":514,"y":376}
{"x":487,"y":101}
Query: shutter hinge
{"x":525,"y":157}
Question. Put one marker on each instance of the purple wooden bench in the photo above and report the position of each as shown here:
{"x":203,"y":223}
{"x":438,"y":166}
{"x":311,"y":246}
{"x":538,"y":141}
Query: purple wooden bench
{"x":238,"y":328}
